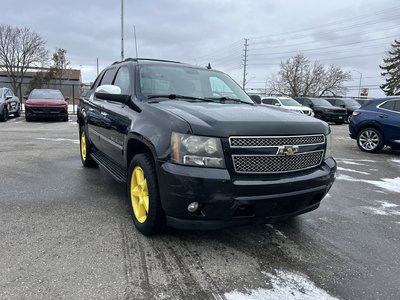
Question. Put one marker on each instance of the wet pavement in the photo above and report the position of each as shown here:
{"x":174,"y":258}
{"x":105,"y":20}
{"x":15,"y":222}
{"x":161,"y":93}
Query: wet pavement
{"x":66,"y":232}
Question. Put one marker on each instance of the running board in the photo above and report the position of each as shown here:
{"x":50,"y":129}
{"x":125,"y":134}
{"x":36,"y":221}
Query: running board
{"x":115,"y":170}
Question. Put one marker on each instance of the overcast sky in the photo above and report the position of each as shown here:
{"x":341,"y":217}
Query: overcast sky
{"x":351,"y":34}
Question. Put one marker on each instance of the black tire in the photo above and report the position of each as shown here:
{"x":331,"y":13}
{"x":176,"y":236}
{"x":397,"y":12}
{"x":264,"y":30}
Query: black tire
{"x":85,"y":149}
{"x":28,"y":119}
{"x":318,"y":115}
{"x":4,"y":115}
{"x":18,"y":112}
{"x":65,"y":119}
{"x":154,"y":217}
{"x":370,"y":140}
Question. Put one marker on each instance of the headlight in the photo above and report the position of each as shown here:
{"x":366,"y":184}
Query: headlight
{"x":328,"y":153}
{"x":198,"y":151}
{"x":356,"y":113}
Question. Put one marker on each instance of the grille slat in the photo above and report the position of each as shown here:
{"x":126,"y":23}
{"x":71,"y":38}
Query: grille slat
{"x":263,"y":164}
{"x":281,"y":162}
{"x":272,"y":141}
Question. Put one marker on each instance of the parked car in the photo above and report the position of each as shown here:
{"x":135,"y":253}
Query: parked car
{"x":9,"y":104}
{"x":349,"y":104}
{"x":46,"y":103}
{"x":323,"y":110}
{"x":377,"y":124}
{"x":196,"y":152}
{"x":287,"y":103}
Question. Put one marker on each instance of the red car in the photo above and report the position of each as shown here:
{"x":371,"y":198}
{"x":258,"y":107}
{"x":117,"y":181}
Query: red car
{"x":46,"y":103}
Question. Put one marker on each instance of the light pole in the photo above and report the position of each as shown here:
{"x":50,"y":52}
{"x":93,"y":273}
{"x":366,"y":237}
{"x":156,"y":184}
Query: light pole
{"x":122,"y":30}
{"x":359,"y":84}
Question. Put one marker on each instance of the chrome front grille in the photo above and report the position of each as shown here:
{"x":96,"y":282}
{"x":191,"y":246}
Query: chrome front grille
{"x":276,"y":154}
{"x":275,"y":141}
{"x":264,"y":164}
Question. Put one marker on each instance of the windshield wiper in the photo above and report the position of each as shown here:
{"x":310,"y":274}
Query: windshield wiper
{"x":224,"y":99}
{"x":176,"y":96}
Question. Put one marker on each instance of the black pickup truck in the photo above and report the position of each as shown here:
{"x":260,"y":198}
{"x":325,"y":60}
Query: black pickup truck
{"x":196,"y":152}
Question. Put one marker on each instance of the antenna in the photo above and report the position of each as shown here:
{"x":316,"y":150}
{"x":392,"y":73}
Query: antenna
{"x":134,"y":31}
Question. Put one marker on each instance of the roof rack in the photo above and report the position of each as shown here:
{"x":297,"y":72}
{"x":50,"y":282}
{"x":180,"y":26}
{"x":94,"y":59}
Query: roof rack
{"x":146,"y":59}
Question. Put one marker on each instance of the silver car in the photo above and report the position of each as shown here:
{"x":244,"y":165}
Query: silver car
{"x":9,"y":104}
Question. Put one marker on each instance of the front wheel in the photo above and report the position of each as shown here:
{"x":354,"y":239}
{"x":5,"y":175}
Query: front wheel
{"x":18,"y":112}
{"x":85,"y":147}
{"x":147,"y":213}
{"x":370,"y":140}
{"x":4,"y":115}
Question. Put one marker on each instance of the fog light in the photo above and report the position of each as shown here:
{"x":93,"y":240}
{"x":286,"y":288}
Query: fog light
{"x":193,"y":207}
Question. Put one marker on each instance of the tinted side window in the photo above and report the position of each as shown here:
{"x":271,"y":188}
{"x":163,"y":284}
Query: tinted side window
{"x":123,"y":80}
{"x":388,"y":105}
{"x":397,"y":105}
{"x":108,"y":77}
{"x":266,"y":101}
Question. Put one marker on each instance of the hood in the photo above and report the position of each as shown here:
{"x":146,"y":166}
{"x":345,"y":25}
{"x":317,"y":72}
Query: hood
{"x":224,"y":120}
{"x":329,"y":107}
{"x":46,"y":102}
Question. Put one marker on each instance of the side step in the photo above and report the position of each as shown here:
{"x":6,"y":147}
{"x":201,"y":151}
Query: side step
{"x":115,"y":170}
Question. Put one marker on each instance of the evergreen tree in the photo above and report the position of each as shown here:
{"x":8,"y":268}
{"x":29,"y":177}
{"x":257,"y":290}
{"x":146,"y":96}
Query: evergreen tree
{"x":391,"y":71}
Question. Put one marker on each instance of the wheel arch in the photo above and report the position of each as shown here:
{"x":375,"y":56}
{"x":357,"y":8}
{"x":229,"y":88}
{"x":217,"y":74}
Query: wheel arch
{"x":371,"y":125}
{"x":137,"y":144}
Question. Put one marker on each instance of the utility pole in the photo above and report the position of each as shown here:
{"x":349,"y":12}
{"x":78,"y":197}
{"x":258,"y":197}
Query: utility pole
{"x":134,"y":31}
{"x":122,"y":30}
{"x":97,"y":65}
{"x":245,"y":63}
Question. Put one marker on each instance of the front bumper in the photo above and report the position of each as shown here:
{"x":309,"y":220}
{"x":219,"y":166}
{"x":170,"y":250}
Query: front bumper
{"x":335,"y":117}
{"x":46,"y":112}
{"x":226,"y":201}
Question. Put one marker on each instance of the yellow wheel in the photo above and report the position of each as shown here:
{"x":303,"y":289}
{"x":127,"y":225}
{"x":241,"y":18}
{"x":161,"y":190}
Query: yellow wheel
{"x":147,"y":213}
{"x":87,"y":160}
{"x":139,"y":195}
{"x":83,"y":145}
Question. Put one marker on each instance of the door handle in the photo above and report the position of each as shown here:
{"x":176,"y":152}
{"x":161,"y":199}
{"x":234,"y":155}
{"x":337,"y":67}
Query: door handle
{"x":104,"y":114}
{"x":383,"y":116}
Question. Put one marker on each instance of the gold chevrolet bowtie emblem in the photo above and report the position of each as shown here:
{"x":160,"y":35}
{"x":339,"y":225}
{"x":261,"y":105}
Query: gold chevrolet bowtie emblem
{"x":288,"y":150}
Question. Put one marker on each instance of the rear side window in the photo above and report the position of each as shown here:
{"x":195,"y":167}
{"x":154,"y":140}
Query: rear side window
{"x":266,"y":101}
{"x":389,"y":105}
{"x":397,"y":105}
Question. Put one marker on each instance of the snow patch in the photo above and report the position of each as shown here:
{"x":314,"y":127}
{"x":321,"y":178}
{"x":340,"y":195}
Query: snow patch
{"x":390,"y":184}
{"x":396,"y":161}
{"x":353,"y":171}
{"x":284,"y":285}
{"x":277,"y":232}
{"x":59,"y":140}
{"x":386,"y":209}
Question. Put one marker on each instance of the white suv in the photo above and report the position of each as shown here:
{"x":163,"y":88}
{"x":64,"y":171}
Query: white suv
{"x":287,"y":103}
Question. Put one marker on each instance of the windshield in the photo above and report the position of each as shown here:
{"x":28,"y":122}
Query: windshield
{"x":46,"y":94}
{"x":289,"y":102}
{"x":188,"y":81}
{"x":320,"y":102}
{"x":351,"y":102}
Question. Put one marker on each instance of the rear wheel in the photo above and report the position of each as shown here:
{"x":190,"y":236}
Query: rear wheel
{"x":147,"y":213}
{"x":4,"y":115}
{"x":370,"y":140}
{"x":85,"y":147}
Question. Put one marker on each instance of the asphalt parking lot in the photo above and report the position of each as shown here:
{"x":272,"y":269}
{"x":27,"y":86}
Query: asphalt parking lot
{"x":66,"y":232}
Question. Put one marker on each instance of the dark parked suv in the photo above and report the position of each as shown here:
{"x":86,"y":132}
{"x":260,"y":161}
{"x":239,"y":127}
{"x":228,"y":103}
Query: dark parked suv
{"x":349,"y":104}
{"x":196,"y":152}
{"x":324,"y":110}
{"x":377,"y":124}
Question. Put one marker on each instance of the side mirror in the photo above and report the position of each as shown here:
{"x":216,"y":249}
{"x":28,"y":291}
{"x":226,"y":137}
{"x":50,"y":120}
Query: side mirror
{"x":342,"y":105}
{"x":8,"y":97}
{"x":111,"y":93}
{"x":277,"y":104}
{"x":311,"y":105}
{"x":66,"y":98}
{"x":25,"y":97}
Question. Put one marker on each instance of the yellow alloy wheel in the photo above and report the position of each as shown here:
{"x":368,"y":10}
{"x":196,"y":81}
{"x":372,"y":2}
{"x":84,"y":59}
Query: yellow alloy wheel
{"x":83,"y":146}
{"x":139,"y":195}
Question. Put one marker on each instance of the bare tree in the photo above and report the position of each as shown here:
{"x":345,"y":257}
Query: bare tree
{"x":20,"y":49}
{"x":60,"y":64}
{"x":300,"y":77}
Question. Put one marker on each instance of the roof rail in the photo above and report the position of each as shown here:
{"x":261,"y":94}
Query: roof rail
{"x":146,"y":59}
